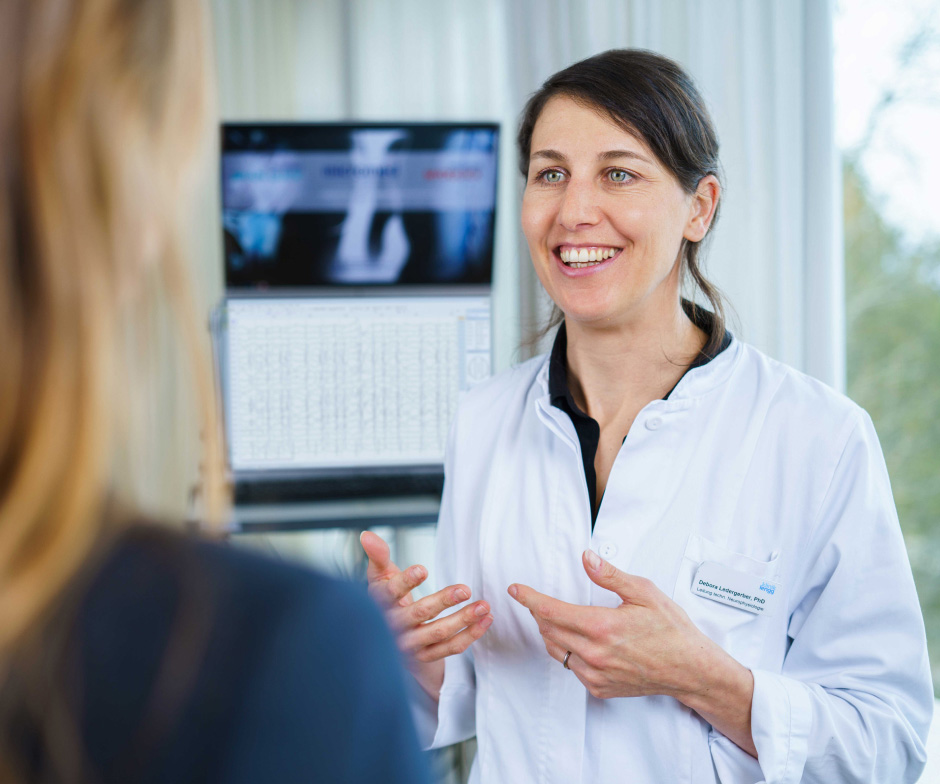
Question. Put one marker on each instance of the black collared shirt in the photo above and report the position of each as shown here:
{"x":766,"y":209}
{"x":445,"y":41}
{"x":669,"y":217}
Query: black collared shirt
{"x":589,"y":432}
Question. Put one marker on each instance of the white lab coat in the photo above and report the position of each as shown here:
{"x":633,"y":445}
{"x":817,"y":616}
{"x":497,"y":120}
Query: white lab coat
{"x":748,"y":463}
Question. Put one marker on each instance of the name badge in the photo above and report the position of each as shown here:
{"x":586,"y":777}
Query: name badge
{"x":723,"y":584}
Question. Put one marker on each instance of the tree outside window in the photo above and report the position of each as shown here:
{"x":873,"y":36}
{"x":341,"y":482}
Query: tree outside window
{"x":888,"y":110}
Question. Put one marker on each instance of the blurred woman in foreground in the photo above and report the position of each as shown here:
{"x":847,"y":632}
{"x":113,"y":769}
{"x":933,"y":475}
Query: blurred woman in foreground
{"x":128,"y":653}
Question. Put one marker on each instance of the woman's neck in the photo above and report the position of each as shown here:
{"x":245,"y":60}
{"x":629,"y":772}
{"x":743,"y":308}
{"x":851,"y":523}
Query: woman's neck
{"x":613,"y":371}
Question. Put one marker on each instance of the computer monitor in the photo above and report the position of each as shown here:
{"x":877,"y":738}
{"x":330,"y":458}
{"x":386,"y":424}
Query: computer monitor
{"x":358,"y":264}
{"x":366,"y":204}
{"x":346,"y":382}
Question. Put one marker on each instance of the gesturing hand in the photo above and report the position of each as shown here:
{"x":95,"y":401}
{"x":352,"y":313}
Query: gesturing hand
{"x":647,"y":645}
{"x":642,"y":647}
{"x":426,"y":641}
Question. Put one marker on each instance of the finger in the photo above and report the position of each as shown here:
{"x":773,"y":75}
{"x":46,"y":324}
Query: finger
{"x":456,"y":644}
{"x":380,"y":561}
{"x":579,"y":668}
{"x":397,"y":588}
{"x":565,"y":639}
{"x":430,"y":606}
{"x":548,"y":609}
{"x":428,"y":634}
{"x":557,"y":652}
{"x":629,"y":587}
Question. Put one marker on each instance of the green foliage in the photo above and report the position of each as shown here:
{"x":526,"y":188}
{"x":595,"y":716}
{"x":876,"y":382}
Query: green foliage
{"x":893,"y":364}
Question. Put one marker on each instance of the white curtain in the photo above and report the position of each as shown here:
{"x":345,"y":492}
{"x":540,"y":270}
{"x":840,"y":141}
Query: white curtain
{"x":764,"y":66}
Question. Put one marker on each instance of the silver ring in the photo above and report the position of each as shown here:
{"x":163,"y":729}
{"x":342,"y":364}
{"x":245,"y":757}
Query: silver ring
{"x":565,"y":661}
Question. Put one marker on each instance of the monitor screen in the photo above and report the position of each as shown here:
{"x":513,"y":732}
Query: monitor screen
{"x":339,"y":382}
{"x":358,"y":204}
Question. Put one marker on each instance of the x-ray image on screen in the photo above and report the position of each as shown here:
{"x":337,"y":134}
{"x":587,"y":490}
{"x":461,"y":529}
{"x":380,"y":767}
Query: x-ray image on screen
{"x":348,"y":205}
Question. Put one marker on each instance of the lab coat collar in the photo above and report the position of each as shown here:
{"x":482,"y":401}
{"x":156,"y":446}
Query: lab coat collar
{"x":695,"y":384}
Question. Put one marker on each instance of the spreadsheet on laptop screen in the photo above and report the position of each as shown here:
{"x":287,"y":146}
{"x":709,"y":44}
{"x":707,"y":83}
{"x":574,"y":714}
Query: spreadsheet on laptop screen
{"x":338,"y":382}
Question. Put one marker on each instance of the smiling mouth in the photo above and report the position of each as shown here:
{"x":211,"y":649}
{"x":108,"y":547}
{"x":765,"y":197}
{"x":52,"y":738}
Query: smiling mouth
{"x":577,"y":258}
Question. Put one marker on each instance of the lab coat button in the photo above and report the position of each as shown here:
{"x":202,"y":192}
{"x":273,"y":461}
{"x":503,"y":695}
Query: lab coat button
{"x":608,"y":550}
{"x":653,"y":423}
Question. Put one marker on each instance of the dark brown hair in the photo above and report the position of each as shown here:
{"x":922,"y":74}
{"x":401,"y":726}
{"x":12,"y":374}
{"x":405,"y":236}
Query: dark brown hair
{"x":652,"y":98}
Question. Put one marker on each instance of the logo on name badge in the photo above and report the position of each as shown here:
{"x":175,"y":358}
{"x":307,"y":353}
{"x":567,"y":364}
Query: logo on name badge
{"x":728,"y":586}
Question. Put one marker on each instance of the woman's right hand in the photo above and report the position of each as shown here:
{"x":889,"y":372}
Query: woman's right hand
{"x":425,"y":641}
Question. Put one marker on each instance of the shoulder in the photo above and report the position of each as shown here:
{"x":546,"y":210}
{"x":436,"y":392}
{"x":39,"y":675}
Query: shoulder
{"x":262,"y":648}
{"x":807,"y":403}
{"x":507,"y":390}
{"x":492,"y":409}
{"x":326,"y":692}
{"x":243,"y":592}
{"x":224,"y":604}
{"x":156,"y":568}
{"x":513,"y":381}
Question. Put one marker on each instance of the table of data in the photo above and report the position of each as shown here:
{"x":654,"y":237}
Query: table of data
{"x":323,"y":383}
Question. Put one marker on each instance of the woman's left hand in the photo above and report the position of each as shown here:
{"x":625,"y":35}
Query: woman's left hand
{"x":648,"y":645}
{"x":645,"y":646}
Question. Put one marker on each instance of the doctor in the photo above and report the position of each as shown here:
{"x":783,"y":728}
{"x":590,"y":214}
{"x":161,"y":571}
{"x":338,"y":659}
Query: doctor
{"x":685,"y":557}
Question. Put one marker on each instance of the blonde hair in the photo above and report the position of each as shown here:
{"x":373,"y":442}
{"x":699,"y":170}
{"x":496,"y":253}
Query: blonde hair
{"x":103,"y":110}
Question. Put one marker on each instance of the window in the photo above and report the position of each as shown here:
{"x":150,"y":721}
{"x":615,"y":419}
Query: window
{"x":888,"y":124}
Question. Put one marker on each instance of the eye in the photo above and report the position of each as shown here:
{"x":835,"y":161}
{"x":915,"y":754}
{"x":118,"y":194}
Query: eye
{"x":551,"y":176}
{"x":619,"y":176}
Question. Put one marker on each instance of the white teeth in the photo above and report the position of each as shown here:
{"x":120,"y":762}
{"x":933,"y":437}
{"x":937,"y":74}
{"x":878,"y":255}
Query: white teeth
{"x":583,"y":257}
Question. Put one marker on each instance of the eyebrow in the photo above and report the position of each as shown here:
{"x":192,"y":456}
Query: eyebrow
{"x":609,"y":155}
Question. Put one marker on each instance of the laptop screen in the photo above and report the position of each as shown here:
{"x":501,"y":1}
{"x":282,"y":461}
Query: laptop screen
{"x":341,"y":204}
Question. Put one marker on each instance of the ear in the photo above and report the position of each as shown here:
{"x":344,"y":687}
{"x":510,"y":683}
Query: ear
{"x":702,"y":209}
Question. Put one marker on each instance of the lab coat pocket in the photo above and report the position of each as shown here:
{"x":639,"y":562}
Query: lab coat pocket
{"x":739,"y":631}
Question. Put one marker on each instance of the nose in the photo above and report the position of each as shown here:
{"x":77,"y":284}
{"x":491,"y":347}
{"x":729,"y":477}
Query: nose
{"x":579,"y":206}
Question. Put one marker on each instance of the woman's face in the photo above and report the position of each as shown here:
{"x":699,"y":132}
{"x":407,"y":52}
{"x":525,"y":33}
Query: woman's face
{"x":605,"y":220}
